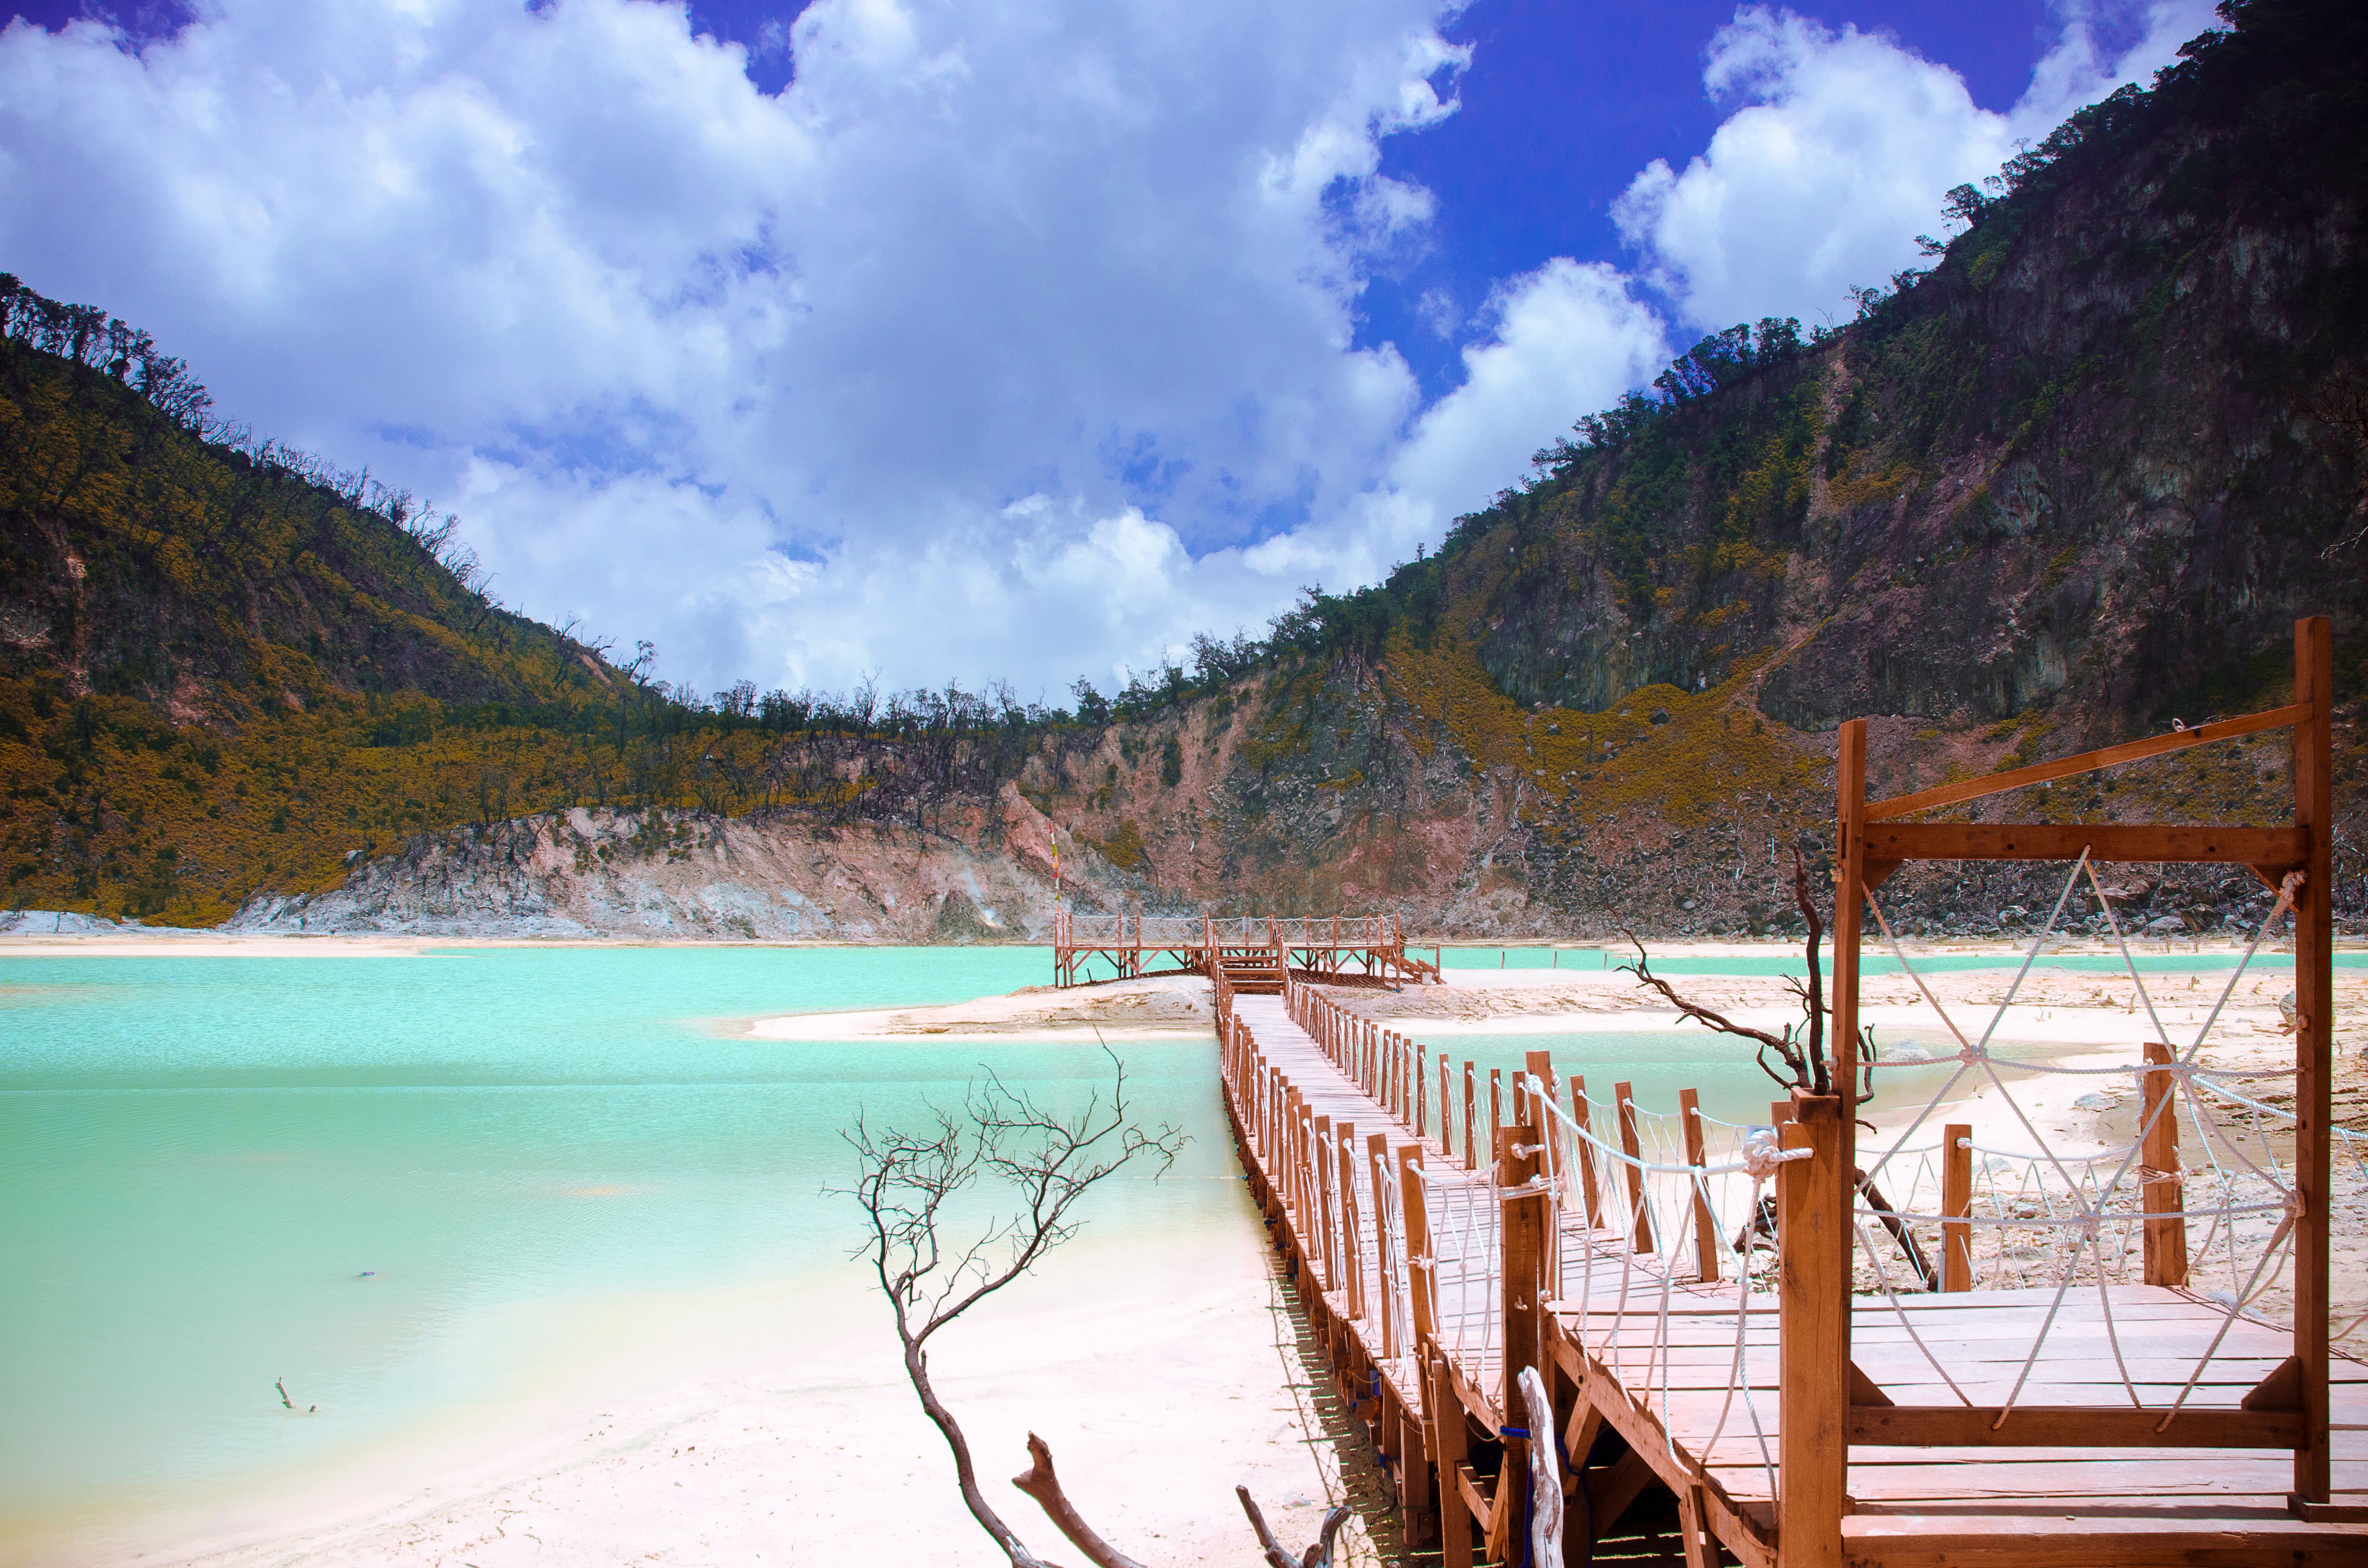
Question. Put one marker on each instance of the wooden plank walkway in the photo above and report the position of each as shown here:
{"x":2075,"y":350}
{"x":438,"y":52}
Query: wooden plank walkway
{"x":1650,"y":1390}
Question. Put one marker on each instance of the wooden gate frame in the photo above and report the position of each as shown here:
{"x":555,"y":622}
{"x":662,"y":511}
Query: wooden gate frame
{"x":2291,"y":1407}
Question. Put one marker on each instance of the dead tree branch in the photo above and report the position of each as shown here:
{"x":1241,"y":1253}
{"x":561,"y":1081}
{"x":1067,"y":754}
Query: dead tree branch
{"x":1039,"y":1481}
{"x":1044,"y":1163}
{"x":1319,"y":1552}
{"x":1801,"y":1052}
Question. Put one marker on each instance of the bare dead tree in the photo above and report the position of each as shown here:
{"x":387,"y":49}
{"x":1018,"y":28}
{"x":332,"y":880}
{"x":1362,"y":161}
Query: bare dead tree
{"x":1801,"y":1050}
{"x":1041,"y":1163}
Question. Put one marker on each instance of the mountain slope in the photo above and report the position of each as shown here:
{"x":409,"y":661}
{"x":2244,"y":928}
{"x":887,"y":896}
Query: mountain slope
{"x":2075,"y":482}
{"x":2072,"y":483}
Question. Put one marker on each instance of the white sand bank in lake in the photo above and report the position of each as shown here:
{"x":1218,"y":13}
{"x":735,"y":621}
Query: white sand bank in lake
{"x":1157,"y":1393}
{"x":1168,"y":1007}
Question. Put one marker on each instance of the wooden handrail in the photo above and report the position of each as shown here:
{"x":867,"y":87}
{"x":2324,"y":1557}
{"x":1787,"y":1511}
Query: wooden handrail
{"x":2087,"y":762}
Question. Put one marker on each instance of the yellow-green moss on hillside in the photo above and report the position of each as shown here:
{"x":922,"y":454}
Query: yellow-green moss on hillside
{"x":1682,"y":754}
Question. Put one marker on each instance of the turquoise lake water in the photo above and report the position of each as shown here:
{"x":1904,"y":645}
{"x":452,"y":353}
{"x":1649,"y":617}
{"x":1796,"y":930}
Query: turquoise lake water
{"x":415,"y":1187}
{"x":203,"y":1156}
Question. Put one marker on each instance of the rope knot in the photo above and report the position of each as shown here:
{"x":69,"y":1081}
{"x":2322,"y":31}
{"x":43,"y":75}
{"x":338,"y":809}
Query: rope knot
{"x":2288,"y":885}
{"x":1762,"y":1157}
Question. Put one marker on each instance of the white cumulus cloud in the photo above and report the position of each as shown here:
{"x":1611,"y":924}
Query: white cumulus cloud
{"x":736,"y":371}
{"x":1840,"y":155}
{"x":1570,"y":338}
{"x":1004,"y":340}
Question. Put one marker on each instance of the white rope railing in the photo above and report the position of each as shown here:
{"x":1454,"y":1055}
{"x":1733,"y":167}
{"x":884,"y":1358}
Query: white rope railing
{"x":1643,"y":1233}
{"x":2088,"y":1208}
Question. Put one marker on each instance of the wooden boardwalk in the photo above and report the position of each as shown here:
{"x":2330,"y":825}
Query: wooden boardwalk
{"x":1648,"y":1393}
{"x":1466,"y":1252}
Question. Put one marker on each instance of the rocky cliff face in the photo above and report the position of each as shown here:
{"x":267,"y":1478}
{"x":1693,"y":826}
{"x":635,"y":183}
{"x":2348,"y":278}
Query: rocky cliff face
{"x":665,"y":874}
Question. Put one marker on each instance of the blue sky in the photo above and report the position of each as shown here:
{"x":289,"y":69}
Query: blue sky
{"x":930,"y":340}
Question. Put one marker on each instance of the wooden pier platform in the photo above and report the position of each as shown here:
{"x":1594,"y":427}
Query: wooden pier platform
{"x":1466,"y":1252}
{"x":1376,"y":1220}
{"x":1258,"y":949}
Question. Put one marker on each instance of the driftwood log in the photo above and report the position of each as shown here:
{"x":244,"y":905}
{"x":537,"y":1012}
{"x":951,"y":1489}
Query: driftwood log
{"x":1040,"y":1482}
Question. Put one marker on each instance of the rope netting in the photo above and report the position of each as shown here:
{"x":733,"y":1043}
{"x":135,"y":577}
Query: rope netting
{"x":1662,"y":1216}
{"x":2069,"y":1224}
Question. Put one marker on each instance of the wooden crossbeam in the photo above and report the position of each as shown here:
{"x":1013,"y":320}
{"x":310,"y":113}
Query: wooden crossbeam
{"x":2045,"y":1426}
{"x":2087,"y":762}
{"x":1888,"y":844}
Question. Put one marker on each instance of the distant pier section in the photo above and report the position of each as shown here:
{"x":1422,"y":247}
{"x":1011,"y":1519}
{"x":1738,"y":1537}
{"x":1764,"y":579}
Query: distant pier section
{"x":1255,"y":954}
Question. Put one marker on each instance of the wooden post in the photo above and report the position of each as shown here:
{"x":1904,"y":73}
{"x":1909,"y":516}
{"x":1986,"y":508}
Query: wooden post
{"x":1286,"y":1134}
{"x":1324,"y":1206}
{"x":2160,"y":1188}
{"x":1422,"y":1283}
{"x":1299,"y":1113}
{"x":1524,"y":1228}
{"x":1813,"y":1282}
{"x":1344,"y":1151}
{"x":2314,"y":945}
{"x":1539,"y":1065}
{"x":1701,"y":1547}
{"x":1706,"y":1239}
{"x":1585,"y":1149}
{"x":1398,"y":1076}
{"x":1640,"y":1218}
{"x":1422,"y":1083}
{"x":1274,"y":1108}
{"x":1470,"y":1145}
{"x":1496,"y":1104}
{"x":1448,"y":1434}
{"x":1446,"y":1121}
{"x":1956,"y":1204}
{"x":1524,"y":1231}
{"x":1377,"y":1153}
{"x":1850,"y":899}
{"x":1417,"y":1510}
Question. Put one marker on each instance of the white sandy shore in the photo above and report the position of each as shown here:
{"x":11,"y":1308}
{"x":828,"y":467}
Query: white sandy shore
{"x":1157,"y":1391}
